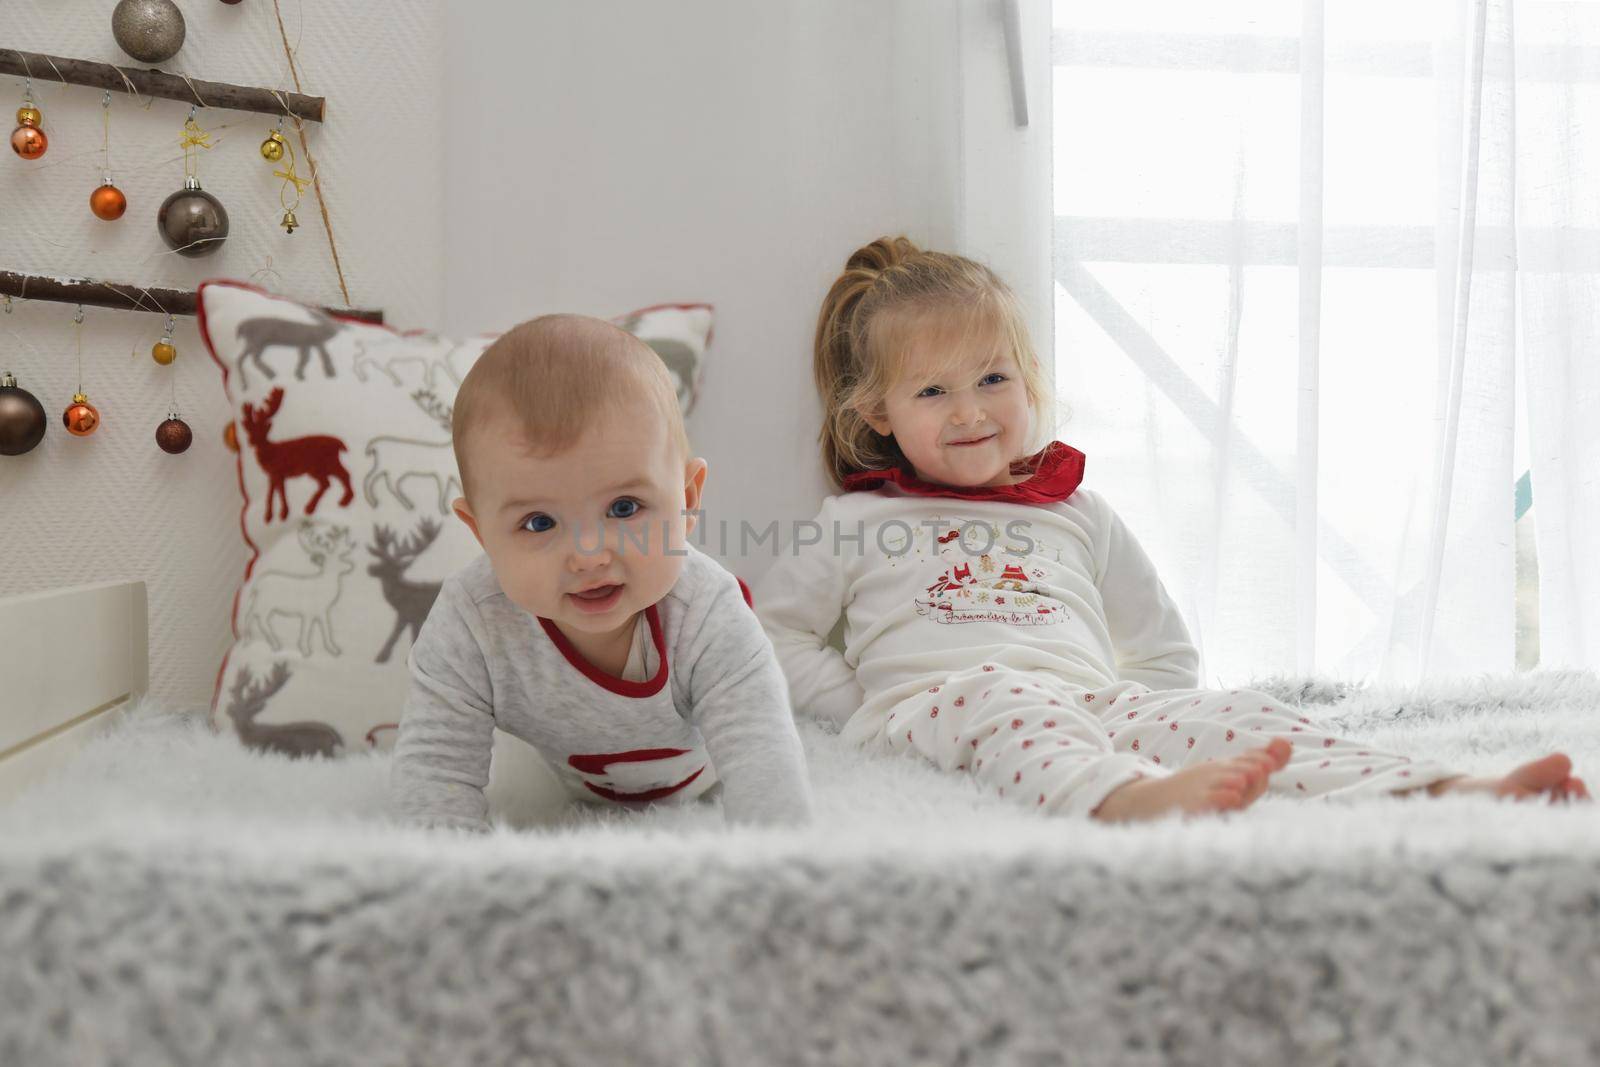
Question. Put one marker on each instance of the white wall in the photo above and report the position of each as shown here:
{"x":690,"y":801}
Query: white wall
{"x":113,"y":505}
{"x":509,"y":160}
{"x":621,"y":154}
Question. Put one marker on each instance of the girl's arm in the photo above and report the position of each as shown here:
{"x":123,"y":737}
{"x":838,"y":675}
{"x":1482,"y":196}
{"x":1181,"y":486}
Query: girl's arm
{"x":1152,"y":643}
{"x":799,"y":602}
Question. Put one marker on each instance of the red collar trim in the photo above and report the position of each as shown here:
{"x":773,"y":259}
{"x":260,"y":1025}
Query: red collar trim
{"x":1058,"y":475}
{"x":620,"y":686}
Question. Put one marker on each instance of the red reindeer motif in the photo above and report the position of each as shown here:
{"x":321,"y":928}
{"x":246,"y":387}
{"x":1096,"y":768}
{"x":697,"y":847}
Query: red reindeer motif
{"x":315,"y":457}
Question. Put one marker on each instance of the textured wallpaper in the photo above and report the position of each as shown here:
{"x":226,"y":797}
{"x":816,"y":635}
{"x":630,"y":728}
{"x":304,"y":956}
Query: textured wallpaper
{"x":113,"y":506}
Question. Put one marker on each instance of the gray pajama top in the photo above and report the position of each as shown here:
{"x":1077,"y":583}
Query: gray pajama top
{"x":710,"y":705}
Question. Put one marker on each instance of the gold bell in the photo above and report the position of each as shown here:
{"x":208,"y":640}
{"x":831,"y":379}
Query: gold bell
{"x":272,"y":147}
{"x":28,"y":115}
{"x":289,"y":221}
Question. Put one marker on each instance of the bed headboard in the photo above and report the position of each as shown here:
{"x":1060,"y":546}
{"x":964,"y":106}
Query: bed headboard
{"x":74,"y":659}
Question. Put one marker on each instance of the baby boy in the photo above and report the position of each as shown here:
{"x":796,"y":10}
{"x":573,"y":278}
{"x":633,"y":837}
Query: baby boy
{"x":589,"y":628}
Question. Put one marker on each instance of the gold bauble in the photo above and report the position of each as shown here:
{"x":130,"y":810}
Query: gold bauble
{"x":272,"y":147}
{"x":28,"y":115}
{"x":163,"y":352}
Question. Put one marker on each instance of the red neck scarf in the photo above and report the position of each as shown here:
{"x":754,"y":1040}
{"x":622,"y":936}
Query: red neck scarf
{"x":1058,"y":473}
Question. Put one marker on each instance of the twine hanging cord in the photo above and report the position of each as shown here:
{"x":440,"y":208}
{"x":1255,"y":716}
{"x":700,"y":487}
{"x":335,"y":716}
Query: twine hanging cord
{"x":305,"y":149}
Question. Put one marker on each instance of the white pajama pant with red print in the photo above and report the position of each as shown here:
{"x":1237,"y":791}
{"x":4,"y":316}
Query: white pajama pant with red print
{"x":1055,"y":746}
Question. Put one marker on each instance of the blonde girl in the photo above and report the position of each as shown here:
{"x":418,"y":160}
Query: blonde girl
{"x":999,"y":619}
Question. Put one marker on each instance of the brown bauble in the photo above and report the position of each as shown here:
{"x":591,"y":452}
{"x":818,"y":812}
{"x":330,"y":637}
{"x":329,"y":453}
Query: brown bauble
{"x":29,"y":142}
{"x":81,"y":417}
{"x":22,"y":420}
{"x":192,"y":221}
{"x":174,"y":436}
{"x":163,"y":352}
{"x":107,"y":202}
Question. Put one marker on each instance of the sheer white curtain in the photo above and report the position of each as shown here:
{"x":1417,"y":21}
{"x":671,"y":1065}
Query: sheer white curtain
{"x":1325,"y":302}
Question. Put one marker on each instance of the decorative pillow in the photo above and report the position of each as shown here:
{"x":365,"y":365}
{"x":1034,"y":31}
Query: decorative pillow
{"x":345,"y":463}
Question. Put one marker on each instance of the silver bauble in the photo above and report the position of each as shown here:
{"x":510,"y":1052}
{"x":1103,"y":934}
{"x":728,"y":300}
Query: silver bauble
{"x":192,"y":221}
{"x":148,"y":30}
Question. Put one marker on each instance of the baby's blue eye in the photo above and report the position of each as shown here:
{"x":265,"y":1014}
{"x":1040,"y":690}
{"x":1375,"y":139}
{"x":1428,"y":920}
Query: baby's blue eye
{"x":538,"y":522}
{"x":624,"y":507}
{"x":932,"y":390}
{"x":994,"y":378}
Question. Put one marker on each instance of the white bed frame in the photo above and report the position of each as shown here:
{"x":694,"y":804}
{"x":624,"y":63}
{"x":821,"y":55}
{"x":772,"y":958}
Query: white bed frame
{"x":71,"y":662}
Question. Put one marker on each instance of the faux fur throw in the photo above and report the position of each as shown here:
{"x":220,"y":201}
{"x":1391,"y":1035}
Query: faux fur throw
{"x":171,"y":898}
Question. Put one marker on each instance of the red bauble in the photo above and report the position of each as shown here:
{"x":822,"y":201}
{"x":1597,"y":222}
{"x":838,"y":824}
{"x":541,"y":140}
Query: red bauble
{"x":107,"y":202}
{"x":29,"y":142}
{"x":81,"y":418}
{"x":174,"y":435}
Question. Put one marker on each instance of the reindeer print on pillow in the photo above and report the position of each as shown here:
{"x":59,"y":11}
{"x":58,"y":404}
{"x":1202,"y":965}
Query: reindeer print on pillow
{"x":263,"y":333}
{"x":315,"y":457}
{"x":348,"y":475}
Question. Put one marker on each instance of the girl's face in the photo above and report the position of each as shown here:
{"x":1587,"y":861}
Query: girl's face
{"x":961,"y":418}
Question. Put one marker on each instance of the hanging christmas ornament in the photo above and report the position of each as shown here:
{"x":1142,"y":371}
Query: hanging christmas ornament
{"x":81,"y":417}
{"x":107,"y":201}
{"x":192,"y":221}
{"x":148,"y":30}
{"x":28,"y":140}
{"x":163,"y":352}
{"x":230,"y":437}
{"x":174,"y":435}
{"x":22,"y":420}
{"x":274,"y":149}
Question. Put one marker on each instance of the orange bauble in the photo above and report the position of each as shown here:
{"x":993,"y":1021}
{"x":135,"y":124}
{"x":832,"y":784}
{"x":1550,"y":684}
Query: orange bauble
{"x":230,"y":437}
{"x":107,"y":202}
{"x":81,"y":417}
{"x":29,"y":142}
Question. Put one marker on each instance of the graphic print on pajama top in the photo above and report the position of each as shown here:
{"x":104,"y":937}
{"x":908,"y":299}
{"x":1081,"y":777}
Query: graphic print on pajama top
{"x":1021,"y":634}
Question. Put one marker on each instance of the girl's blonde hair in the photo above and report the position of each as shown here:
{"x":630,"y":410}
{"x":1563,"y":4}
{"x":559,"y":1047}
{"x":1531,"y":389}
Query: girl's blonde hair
{"x":891,"y":295}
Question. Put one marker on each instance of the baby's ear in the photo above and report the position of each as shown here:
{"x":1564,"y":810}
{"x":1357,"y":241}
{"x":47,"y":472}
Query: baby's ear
{"x":694,"y":483}
{"x":464,"y":513}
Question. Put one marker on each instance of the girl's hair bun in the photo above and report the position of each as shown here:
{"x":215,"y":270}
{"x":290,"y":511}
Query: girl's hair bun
{"x":881,"y":254}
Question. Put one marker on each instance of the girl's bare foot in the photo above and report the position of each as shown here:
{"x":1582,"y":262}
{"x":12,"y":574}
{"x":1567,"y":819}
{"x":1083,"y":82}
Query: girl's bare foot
{"x":1219,"y":785}
{"x":1549,"y":777}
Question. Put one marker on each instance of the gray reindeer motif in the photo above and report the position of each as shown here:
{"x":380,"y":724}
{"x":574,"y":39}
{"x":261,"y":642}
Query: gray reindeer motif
{"x":394,"y":459}
{"x":308,"y":597}
{"x":411,"y":600}
{"x":261,"y":334}
{"x":248,"y":699}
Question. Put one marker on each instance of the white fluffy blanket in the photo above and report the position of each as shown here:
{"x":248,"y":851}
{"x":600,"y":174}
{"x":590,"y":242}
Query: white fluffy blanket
{"x":171,"y":898}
